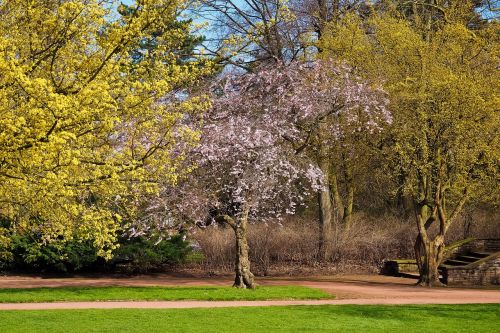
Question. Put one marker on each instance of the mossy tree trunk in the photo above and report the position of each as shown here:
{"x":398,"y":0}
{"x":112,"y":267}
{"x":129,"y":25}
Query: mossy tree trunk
{"x":428,"y":252}
{"x":429,"y":266}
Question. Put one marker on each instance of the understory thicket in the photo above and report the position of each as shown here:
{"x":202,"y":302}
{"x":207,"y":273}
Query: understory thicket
{"x":291,"y":247}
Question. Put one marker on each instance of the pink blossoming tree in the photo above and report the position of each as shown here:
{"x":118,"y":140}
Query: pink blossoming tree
{"x":257,"y":159}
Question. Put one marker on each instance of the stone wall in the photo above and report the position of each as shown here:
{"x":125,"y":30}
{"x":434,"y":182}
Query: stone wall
{"x":485,"y":273}
{"x":482,"y":272}
{"x":397,"y":267}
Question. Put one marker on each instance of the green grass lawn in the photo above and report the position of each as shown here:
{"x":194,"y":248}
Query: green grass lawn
{"x":331,"y":318}
{"x":159,"y":293}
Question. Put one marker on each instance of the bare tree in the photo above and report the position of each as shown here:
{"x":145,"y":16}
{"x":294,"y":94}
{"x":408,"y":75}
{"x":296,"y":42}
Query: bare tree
{"x":243,"y":33}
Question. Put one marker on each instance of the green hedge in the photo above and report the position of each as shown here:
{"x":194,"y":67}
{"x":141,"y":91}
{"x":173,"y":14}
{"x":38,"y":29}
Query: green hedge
{"x":136,"y":255}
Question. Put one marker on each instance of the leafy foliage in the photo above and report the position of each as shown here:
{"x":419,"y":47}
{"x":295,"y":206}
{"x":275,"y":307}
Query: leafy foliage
{"x":140,"y":255}
{"x":442,"y":81}
{"x":136,"y":255}
{"x":29,"y":255}
{"x":82,"y":118}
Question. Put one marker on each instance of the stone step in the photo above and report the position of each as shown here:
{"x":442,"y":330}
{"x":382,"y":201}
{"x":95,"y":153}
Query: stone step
{"x":480,"y":254}
{"x":455,"y":262}
{"x":467,"y":258}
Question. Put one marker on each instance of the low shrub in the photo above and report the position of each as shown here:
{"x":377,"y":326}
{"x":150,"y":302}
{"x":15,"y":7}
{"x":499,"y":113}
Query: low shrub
{"x":137,"y":255}
{"x":28,"y":254}
{"x":140,"y":255}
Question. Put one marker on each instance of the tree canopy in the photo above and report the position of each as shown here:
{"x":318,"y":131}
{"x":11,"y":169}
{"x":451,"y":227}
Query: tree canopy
{"x":82,"y":118}
{"x":443,"y":87}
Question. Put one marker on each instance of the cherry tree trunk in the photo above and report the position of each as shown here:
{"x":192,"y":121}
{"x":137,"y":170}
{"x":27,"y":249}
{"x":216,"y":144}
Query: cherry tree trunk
{"x":244,"y":277}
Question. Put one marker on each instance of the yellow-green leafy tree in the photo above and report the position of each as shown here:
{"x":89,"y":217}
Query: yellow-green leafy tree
{"x":86,"y":124}
{"x":442,"y":78}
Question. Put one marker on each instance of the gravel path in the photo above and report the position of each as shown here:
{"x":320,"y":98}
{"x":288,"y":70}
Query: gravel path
{"x":356,"y":289}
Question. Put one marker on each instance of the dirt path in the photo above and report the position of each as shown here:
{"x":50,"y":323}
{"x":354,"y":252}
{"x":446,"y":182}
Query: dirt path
{"x":356,"y":289}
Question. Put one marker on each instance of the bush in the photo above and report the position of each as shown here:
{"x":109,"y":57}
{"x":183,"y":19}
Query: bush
{"x":29,"y":255}
{"x":139,"y":255}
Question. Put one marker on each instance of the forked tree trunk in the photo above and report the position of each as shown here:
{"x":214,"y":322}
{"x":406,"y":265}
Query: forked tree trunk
{"x":430,"y":208}
{"x":428,"y":251}
{"x":430,"y":260}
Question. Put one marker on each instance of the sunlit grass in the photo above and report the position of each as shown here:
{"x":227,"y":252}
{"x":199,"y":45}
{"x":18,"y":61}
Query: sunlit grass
{"x":331,"y":318}
{"x":208,"y":293}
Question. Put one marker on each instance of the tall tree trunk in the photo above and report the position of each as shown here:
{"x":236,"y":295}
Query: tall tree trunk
{"x":322,"y":21}
{"x":404,"y":200}
{"x":322,"y":16}
{"x":347,"y":219}
{"x":324,"y":196}
{"x":325,"y":208}
{"x":349,"y":178}
{"x":325,"y":219}
{"x":337,"y":199}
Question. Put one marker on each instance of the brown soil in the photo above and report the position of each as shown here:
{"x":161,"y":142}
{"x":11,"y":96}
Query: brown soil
{"x":348,"y":289}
